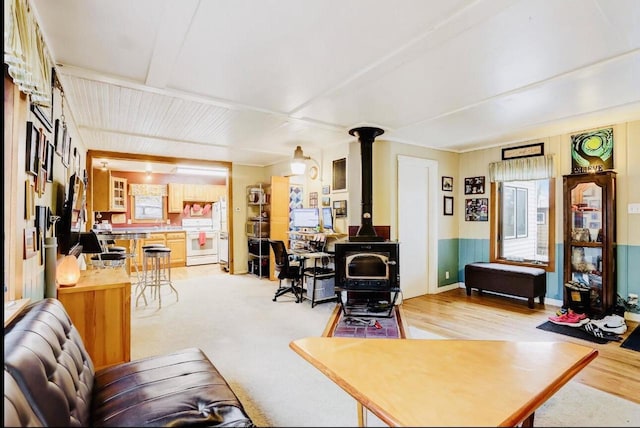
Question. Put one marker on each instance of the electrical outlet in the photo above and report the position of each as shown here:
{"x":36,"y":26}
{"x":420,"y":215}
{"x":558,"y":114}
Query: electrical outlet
{"x":446,"y":275}
{"x":633,"y":208}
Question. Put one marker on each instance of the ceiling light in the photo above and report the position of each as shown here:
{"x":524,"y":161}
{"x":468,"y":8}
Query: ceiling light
{"x":104,"y":166}
{"x":194,"y":170}
{"x":298,"y":164}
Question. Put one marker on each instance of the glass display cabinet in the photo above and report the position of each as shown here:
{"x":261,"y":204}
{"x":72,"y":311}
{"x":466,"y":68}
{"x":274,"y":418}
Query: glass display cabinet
{"x":590,"y":241}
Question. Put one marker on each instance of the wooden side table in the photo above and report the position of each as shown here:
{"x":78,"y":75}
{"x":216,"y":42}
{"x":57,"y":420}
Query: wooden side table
{"x":100,"y":307}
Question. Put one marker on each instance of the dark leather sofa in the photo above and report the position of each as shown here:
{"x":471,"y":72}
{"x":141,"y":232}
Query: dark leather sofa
{"x":49,"y":380}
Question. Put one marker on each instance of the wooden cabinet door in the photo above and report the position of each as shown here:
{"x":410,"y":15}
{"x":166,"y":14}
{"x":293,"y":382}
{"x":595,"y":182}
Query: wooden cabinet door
{"x":176,"y":242}
{"x":100,"y":190}
{"x":155,"y":238}
{"x":118,"y":192}
{"x":176,"y":198}
{"x":190,"y":192}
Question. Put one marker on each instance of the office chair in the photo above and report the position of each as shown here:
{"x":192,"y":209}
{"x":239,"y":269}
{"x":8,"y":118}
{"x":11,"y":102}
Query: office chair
{"x":286,"y":271}
{"x":101,"y":259}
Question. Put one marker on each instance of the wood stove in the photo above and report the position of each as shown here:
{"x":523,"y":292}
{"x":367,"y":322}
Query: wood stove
{"x":367,"y":266}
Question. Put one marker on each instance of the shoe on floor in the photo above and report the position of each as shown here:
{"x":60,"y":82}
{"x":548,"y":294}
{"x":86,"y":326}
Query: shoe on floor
{"x":612,"y":324}
{"x":570,"y":319}
{"x":596,"y":331}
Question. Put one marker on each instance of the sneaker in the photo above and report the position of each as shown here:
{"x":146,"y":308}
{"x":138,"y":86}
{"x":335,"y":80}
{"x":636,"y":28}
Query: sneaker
{"x":612,"y":324}
{"x":596,"y":331}
{"x":570,"y":319}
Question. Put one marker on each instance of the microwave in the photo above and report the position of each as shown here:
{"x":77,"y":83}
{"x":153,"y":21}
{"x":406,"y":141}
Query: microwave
{"x":257,"y":229}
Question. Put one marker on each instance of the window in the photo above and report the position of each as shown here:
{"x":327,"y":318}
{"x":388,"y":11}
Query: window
{"x":522,"y":227}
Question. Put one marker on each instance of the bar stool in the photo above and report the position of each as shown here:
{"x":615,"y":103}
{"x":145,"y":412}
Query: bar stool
{"x":156,"y":262}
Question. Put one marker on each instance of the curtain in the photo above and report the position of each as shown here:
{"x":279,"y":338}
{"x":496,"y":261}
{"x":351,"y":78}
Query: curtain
{"x":147,"y":189}
{"x":25,"y":53}
{"x":531,"y":168}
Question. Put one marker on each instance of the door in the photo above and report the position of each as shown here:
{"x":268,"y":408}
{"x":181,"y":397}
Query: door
{"x":417,"y":225}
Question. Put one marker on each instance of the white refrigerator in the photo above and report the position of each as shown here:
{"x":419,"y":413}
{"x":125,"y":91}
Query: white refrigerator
{"x":219,"y":213}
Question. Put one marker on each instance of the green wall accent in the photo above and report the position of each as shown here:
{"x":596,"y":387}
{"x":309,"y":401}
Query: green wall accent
{"x":477,"y":250}
{"x":448,"y":261}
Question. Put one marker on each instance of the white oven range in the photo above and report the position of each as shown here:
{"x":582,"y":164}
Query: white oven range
{"x":202,"y":241}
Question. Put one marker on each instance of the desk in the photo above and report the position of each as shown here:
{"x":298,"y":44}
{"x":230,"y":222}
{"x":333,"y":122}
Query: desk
{"x":315,"y":274}
{"x":417,"y":382}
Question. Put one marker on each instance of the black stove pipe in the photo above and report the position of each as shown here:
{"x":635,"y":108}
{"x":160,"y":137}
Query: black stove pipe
{"x":366,"y":135}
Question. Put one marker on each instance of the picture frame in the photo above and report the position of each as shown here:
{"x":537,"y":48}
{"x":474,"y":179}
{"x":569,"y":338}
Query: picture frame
{"x":43,"y":116}
{"x":33,"y":136}
{"x":326,"y":201}
{"x":339,"y":176}
{"x":526,"y":151}
{"x":41,"y":180}
{"x":28,"y":200}
{"x":541,"y":218}
{"x":48,"y":164}
{"x":57,"y":137}
{"x":42,"y":146}
{"x":340,"y":208}
{"x":474,"y":185}
{"x":326,"y":189}
{"x":585,"y":159}
{"x":476,"y":209}
{"x":29,"y":240}
{"x":447,"y":184}
{"x":313,"y":199}
{"x":448,"y":205}
{"x":66,"y":150}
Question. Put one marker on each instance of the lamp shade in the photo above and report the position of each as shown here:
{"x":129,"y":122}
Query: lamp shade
{"x":68,"y":272}
{"x":298,"y":164}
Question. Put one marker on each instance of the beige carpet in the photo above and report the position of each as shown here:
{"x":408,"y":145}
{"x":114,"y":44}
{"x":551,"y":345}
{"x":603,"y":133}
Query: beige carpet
{"x":233,"y":319}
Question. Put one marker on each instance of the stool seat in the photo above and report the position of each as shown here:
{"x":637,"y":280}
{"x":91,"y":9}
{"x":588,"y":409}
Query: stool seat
{"x":105,"y":260}
{"x":116,"y":249}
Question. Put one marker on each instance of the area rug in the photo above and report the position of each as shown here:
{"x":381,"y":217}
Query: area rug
{"x":633,"y":340}
{"x":570,"y":331}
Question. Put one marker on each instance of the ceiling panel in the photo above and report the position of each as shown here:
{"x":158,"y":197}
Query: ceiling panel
{"x":245,"y":81}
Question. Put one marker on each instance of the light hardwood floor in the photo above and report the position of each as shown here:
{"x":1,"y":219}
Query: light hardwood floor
{"x":453,"y":315}
{"x":491,"y":317}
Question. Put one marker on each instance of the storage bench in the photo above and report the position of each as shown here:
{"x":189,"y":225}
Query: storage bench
{"x":518,"y":281}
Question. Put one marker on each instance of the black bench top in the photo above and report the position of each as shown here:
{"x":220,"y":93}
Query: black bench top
{"x":509,"y":268}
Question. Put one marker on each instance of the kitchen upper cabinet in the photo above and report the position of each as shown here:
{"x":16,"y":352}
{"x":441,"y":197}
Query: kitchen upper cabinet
{"x":176,"y":197}
{"x":179,"y":193}
{"x":109,"y":192}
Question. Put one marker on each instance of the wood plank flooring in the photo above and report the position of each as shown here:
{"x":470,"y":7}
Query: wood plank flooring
{"x":455,"y":315}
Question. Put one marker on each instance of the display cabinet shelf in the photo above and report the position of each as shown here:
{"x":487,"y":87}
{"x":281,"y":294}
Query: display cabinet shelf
{"x":590,"y":242}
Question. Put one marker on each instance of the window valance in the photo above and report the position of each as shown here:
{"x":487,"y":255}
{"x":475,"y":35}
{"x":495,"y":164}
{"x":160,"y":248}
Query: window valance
{"x":148,"y":190}
{"x":531,"y":168}
{"x":25,"y":53}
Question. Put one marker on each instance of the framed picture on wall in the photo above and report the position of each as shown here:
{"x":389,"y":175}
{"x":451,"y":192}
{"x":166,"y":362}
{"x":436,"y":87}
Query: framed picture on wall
{"x":448,"y":205}
{"x":447,"y":184}
{"x":476,"y":209}
{"x":341,"y":208}
{"x":48,"y":161}
{"x":33,"y":136}
{"x":326,"y":201}
{"x":474,"y":185}
{"x":339,"y":177}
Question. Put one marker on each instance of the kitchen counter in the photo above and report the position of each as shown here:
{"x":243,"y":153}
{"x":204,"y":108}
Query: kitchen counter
{"x":147,"y":229}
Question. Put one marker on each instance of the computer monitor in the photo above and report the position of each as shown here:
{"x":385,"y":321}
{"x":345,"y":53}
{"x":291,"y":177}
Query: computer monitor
{"x":327,"y":218}
{"x":306,"y":218}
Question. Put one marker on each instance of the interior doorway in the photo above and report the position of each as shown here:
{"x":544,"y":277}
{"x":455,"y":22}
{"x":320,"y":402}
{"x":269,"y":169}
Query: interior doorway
{"x":417,"y":225}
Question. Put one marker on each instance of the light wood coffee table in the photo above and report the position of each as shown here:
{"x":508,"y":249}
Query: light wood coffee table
{"x":417,"y":382}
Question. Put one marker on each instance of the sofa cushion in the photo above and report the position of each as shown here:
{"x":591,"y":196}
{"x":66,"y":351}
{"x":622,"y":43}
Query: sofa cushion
{"x":166,"y":390}
{"x":44,"y":354}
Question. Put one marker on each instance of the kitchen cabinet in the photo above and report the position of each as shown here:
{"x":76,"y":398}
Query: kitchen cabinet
{"x":279,"y":221}
{"x":109,"y":192}
{"x":100,"y":307}
{"x":175,"y":240}
{"x":175,"y":198}
{"x":179,"y":193}
{"x":590,"y":241}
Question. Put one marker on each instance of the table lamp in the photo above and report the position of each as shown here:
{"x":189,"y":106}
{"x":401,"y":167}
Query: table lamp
{"x":68,"y":272}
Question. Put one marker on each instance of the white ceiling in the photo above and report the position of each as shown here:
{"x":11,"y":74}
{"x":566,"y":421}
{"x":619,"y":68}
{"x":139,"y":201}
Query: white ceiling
{"x":245,"y":81}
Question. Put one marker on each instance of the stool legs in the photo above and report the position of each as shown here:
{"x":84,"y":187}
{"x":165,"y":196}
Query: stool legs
{"x":156,"y":263}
